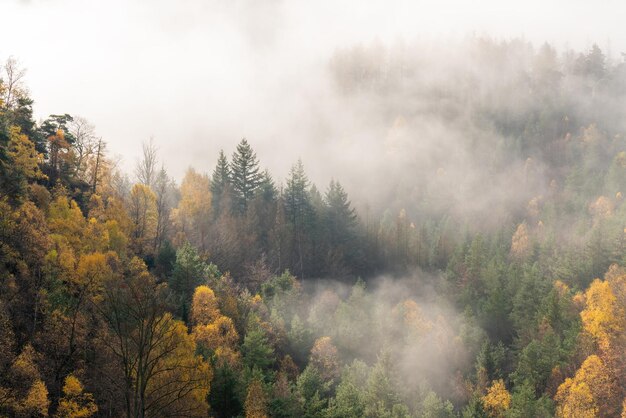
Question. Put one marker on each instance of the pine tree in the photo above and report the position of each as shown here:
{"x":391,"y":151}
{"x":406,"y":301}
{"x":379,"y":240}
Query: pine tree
{"x":245,"y":176}
{"x":298,"y":210}
{"x":220,"y":182}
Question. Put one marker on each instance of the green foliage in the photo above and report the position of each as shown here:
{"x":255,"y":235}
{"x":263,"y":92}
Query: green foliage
{"x":244,"y":175}
{"x":256,"y":350}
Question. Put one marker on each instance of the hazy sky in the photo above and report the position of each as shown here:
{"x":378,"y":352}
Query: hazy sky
{"x":200,"y":74}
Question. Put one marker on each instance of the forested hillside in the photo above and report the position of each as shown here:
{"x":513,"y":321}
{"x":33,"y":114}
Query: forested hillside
{"x":483,"y":274}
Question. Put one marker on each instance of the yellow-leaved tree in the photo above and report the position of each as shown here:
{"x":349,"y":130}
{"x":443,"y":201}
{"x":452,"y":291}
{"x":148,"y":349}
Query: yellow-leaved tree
{"x":143,"y":214}
{"x":192,"y":217}
{"x":497,"y":400}
{"x":212,"y":330}
{"x":602,"y":317}
{"x":325,"y":359}
{"x":591,"y":391}
{"x":75,"y":403}
{"x":204,"y":306}
{"x":25,"y":159}
{"x":256,"y":401}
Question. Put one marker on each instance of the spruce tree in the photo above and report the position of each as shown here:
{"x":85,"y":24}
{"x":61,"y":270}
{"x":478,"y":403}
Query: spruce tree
{"x":220,"y":182}
{"x":245,"y":176}
{"x":298,"y":210}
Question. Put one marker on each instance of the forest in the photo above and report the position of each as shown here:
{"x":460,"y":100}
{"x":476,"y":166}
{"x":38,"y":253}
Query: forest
{"x":486,"y":279}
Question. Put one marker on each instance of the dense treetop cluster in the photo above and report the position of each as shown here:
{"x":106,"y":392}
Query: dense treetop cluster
{"x":232,"y":294}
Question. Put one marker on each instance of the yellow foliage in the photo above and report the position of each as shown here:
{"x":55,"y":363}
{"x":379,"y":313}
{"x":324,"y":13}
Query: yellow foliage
{"x":574,"y":399}
{"x":179,"y":370}
{"x":117,"y":239}
{"x":24,"y":367}
{"x":325,"y":358}
{"x":204,"y":306}
{"x":92,"y":271}
{"x":561,"y":288}
{"x":520,"y":243}
{"x":591,"y":389}
{"x":226,"y":355}
{"x":37,"y":402}
{"x":66,"y":219}
{"x":602,"y":317}
{"x":533,"y":207}
{"x":497,"y":400}
{"x":143,"y":214}
{"x":193,"y":214}
{"x":412,"y":317}
{"x":25,"y":159}
{"x":96,"y":236}
{"x":256,"y":401}
{"x":75,"y":403}
{"x":601,"y":208}
{"x":220,"y":333}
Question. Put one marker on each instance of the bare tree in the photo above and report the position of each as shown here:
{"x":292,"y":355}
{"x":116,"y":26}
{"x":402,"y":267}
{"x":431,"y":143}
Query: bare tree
{"x":14,"y":87}
{"x":96,"y":170}
{"x":146,"y":169}
{"x":85,"y":146}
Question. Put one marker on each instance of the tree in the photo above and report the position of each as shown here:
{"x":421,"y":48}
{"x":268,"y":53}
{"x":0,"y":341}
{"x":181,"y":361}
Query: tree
{"x":204,"y":307}
{"x":23,"y":161}
{"x":143,"y":214}
{"x":164,"y":189}
{"x":298,"y":211}
{"x":520,"y":243}
{"x":603,"y":317}
{"x":220,"y":183}
{"x":325,"y":358}
{"x":189,"y":272}
{"x":591,"y":392}
{"x":245,"y":176}
{"x":85,"y":147}
{"x":497,"y":400}
{"x":161,"y":372}
{"x":59,"y":146}
{"x":193,"y":215}
{"x":146,"y":168}
{"x":340,"y":222}
{"x":256,"y":401}
{"x":219,"y":334}
{"x":256,"y":350}
{"x":75,"y":403}
{"x":13,"y":84}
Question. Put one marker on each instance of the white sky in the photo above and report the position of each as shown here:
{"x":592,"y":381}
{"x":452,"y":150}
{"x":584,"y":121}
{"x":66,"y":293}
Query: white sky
{"x":200,"y":74}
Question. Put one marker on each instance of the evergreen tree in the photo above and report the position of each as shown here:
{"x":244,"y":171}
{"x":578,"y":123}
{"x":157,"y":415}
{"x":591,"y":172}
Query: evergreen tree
{"x":299,"y":212}
{"x":220,"y":182}
{"x":245,"y":176}
{"x":340,"y":225}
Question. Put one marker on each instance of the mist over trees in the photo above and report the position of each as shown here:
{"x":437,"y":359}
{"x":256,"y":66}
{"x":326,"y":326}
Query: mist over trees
{"x":478,"y":270}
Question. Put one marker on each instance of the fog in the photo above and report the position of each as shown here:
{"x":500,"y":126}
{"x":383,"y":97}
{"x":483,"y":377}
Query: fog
{"x":197,"y":76}
{"x":205,"y":73}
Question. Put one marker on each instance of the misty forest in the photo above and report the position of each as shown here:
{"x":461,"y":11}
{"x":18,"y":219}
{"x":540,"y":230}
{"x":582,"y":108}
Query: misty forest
{"x":467,"y":258}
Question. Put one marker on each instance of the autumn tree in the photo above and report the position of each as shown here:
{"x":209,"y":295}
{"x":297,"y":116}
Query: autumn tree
{"x":143,"y":215}
{"x":193,"y":215}
{"x":497,"y":400}
{"x":162,"y":373}
{"x":75,"y":403}
{"x":520,"y":243}
{"x":325,"y":358}
{"x":591,"y":392}
{"x":256,"y":400}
